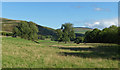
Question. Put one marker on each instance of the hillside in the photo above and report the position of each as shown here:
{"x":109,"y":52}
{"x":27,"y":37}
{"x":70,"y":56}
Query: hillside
{"x":9,"y":24}
{"x":81,"y":30}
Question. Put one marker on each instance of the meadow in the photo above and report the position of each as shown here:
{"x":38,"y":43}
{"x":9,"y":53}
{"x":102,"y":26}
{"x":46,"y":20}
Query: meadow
{"x":21,"y":53}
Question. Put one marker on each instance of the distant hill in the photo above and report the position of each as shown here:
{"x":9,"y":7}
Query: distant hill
{"x":9,"y":24}
{"x":82,"y":30}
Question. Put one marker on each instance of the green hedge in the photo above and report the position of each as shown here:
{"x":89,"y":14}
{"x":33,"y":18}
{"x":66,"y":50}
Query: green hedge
{"x":6,"y":34}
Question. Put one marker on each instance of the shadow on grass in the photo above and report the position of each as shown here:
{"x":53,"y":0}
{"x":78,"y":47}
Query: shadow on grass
{"x":37,"y":42}
{"x":77,"y":48}
{"x":106,"y":52}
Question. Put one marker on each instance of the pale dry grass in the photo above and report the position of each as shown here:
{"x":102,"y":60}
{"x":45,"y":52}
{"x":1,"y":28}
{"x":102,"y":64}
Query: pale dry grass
{"x":19,"y":53}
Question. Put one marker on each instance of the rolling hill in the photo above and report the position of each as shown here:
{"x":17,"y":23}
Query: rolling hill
{"x":82,"y":30}
{"x":9,"y":24}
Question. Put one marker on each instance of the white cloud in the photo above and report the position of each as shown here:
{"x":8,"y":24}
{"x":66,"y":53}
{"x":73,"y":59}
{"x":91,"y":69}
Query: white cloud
{"x":97,"y":23}
{"x":102,"y":9}
{"x":102,"y":23}
{"x":98,"y":9}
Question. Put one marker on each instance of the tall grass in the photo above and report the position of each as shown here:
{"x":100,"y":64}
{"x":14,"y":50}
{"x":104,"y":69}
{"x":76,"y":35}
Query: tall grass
{"x":20,"y":53}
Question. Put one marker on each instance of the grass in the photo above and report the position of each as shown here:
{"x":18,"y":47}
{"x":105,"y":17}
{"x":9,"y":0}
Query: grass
{"x":81,"y":30}
{"x":20,"y":53}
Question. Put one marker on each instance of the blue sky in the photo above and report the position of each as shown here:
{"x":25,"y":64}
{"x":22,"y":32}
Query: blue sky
{"x":54,"y":14}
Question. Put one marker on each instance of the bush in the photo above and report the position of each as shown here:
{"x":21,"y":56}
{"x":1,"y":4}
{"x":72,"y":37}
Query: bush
{"x":79,"y":40}
{"x":107,"y":35}
{"x":6,"y":33}
{"x":41,"y":37}
{"x":26,"y":30}
{"x":48,"y":36}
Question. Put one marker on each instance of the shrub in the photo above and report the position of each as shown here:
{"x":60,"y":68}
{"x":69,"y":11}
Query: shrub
{"x":6,"y":33}
{"x":26,"y":30}
{"x":41,"y":37}
{"x":79,"y":40}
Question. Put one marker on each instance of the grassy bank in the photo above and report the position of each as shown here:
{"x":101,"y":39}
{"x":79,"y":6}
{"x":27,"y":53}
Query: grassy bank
{"x":20,"y":53}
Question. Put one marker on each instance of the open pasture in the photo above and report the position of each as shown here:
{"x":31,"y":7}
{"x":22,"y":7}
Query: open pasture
{"x":20,"y":53}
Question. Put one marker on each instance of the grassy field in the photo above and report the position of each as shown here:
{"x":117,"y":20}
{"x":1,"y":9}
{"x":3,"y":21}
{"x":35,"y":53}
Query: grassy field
{"x":82,"y":30}
{"x":20,"y":53}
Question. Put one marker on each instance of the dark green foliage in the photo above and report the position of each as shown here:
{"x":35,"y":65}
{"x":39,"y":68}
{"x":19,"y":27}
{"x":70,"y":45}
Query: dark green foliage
{"x":59,"y":35}
{"x":46,"y":31}
{"x":16,"y":32}
{"x":66,"y":33}
{"x":48,"y":36}
{"x":118,"y":35}
{"x":6,"y":33}
{"x":79,"y":34}
{"x":41,"y":37}
{"x":71,"y":35}
{"x":26,"y":30}
{"x":107,"y":35}
{"x":79,"y":40}
{"x":92,"y":36}
{"x":65,"y":37}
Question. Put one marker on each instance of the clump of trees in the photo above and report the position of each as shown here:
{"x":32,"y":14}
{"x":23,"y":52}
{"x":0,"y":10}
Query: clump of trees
{"x":26,"y":30}
{"x":107,"y":35}
{"x":6,"y":33}
{"x":41,"y":37}
{"x":66,"y":33}
{"x":79,"y":39}
{"x":29,"y":31}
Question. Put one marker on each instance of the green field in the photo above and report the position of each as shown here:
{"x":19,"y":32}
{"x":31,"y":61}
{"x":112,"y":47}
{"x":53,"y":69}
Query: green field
{"x":20,"y":53}
{"x":81,"y":30}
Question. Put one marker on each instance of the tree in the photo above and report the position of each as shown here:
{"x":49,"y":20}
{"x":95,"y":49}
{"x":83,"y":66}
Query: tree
{"x":16,"y":32}
{"x":95,"y":35}
{"x":79,"y":40}
{"x":72,"y":35}
{"x":33,"y":31}
{"x":119,"y":35}
{"x":68,"y":32}
{"x":59,"y":35}
{"x":65,"y":37}
{"x":41,"y":37}
{"x":107,"y":35}
{"x":26,"y":30}
{"x":88,"y":36}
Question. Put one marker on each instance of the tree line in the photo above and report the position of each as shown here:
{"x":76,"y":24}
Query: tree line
{"x":30,"y":31}
{"x":107,"y":35}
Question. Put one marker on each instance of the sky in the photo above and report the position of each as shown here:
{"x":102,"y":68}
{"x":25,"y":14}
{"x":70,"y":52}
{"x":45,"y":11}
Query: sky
{"x":54,"y":14}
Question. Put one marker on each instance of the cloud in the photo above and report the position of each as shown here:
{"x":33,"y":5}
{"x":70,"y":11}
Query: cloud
{"x":102,"y":23}
{"x":102,"y":9}
{"x":98,"y":9}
